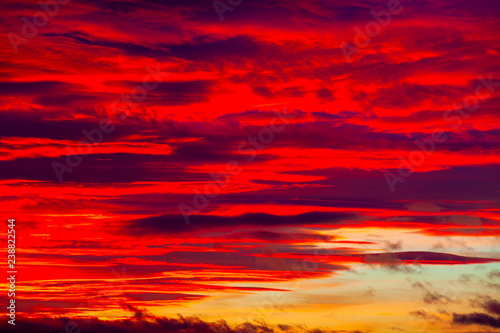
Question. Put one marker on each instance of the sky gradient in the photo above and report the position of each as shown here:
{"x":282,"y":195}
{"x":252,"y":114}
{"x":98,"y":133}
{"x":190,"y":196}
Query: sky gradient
{"x":252,"y":166}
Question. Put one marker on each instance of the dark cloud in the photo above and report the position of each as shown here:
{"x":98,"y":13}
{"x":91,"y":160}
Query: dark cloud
{"x":280,"y":236}
{"x":427,"y":257}
{"x":489,"y":304}
{"x":174,"y":92}
{"x":138,"y":313}
{"x":259,"y":115}
{"x":439,"y":297}
{"x":269,"y":93}
{"x":391,"y":262}
{"x":463,"y":8}
{"x":492,"y":306}
{"x":476,"y":319}
{"x":209,"y":49}
{"x":99,"y":168}
{"x":494,"y":274}
{"x":401,"y":95}
{"x":32,"y":124}
{"x":343,"y":187}
{"x":431,"y":297}
{"x":143,"y":323}
{"x":126,"y":47}
{"x":176,"y":223}
{"x":325,"y":94}
{"x":59,"y":99}
{"x":35,"y":88}
{"x":161,"y":296}
{"x":263,"y":92}
{"x":425,"y":315}
{"x":459,"y":183}
{"x":122,"y":7}
{"x":203,"y":48}
{"x":394,"y":245}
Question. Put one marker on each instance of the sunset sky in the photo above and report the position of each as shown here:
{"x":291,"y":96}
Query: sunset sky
{"x":252,"y":166}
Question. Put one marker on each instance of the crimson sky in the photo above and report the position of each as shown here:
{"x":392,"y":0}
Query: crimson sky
{"x":269,"y":165}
